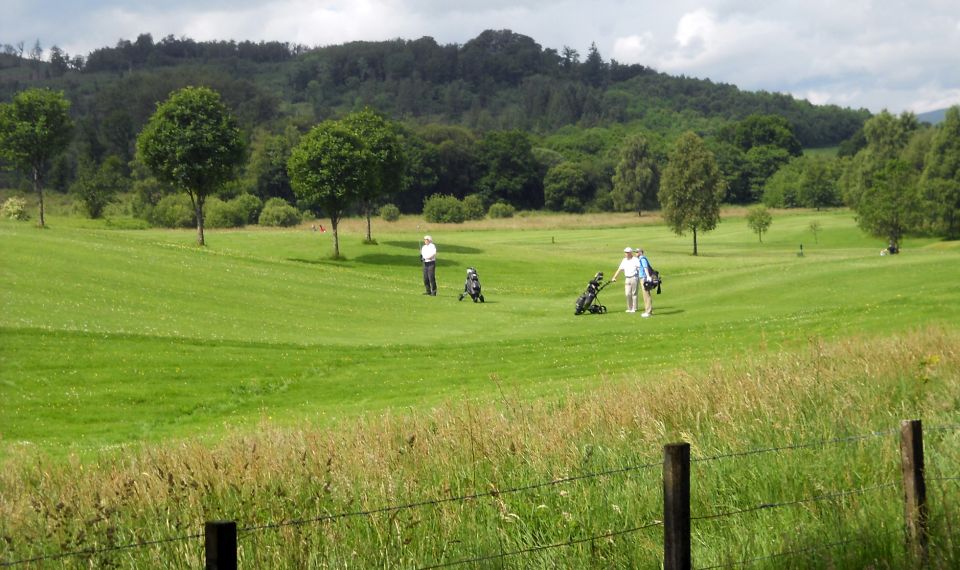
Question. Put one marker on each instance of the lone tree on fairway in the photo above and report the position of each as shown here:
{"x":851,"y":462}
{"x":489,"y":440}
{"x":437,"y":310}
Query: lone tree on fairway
{"x":691,"y":188}
{"x":327,"y":170}
{"x":35,"y":127}
{"x":759,"y":220}
{"x":193,"y":143}
{"x":815,"y":227}
{"x":388,"y":163}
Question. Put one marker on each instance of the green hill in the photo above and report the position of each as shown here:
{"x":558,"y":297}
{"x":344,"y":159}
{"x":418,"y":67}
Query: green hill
{"x":498,"y":80}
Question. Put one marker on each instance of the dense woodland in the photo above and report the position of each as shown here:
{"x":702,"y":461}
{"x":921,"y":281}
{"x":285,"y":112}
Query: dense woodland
{"x":500,"y":117}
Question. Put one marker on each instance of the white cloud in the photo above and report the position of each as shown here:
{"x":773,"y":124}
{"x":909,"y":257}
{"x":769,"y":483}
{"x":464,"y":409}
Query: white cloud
{"x":696,"y":28}
{"x":633,"y":48}
{"x":932,"y":98}
{"x":816,"y":97}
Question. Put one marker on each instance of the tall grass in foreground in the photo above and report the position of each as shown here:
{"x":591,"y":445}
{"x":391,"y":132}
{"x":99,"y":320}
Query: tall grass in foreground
{"x":277,"y":483}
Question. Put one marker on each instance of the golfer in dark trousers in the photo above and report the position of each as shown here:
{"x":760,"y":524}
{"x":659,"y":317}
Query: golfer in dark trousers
{"x":428,"y":253}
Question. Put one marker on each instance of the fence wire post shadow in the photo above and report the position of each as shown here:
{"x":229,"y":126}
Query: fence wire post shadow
{"x":914,"y":488}
{"x":220,"y":539}
{"x":676,"y":506}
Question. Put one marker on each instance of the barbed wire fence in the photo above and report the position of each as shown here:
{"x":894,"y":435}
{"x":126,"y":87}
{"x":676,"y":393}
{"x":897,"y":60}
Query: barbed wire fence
{"x":220,"y":537}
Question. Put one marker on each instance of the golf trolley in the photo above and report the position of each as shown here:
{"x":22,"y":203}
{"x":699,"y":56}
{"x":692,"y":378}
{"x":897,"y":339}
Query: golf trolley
{"x":471,"y":286}
{"x":588,"y":302}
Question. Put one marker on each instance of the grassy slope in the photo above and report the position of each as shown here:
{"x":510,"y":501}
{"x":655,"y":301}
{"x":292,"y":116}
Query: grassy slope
{"x":116,"y":336}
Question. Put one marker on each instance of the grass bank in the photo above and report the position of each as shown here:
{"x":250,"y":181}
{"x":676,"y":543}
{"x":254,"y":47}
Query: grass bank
{"x":499,"y":476}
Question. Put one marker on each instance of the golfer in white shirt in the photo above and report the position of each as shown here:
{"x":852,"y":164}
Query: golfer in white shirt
{"x":630,"y":266}
{"x":428,"y":253}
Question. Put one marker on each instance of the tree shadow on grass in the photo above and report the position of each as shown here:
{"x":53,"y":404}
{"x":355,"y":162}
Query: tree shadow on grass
{"x":412,"y":260}
{"x":319,"y":261}
{"x":441,"y":248}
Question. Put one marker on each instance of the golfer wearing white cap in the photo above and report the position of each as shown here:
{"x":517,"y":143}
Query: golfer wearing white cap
{"x":428,"y":253}
{"x":631,"y":271}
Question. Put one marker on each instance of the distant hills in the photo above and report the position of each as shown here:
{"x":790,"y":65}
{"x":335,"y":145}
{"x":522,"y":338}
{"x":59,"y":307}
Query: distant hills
{"x":932,"y":117}
{"x":498,"y":80}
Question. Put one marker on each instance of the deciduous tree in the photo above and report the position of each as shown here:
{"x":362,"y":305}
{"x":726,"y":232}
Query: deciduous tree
{"x":941,"y":177}
{"x":327,"y":170}
{"x":818,"y":182}
{"x":879,"y":185}
{"x":636,"y":179}
{"x":266,"y":172}
{"x":691,"y":188}
{"x":890,"y":208}
{"x":35,"y":127}
{"x":510,"y":170}
{"x":759,"y":220}
{"x":193,"y":143}
{"x":97,"y":187}
{"x":566,"y":188}
{"x":387,"y":161}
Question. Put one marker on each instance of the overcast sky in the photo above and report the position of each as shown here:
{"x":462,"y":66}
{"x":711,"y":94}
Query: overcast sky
{"x":877,"y":54}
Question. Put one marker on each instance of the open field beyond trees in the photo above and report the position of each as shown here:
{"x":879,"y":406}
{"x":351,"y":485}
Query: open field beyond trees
{"x":147,"y":385}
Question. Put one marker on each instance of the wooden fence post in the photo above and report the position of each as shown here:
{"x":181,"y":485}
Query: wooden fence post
{"x":676,"y":506}
{"x":914,"y":486}
{"x":221,"y":545}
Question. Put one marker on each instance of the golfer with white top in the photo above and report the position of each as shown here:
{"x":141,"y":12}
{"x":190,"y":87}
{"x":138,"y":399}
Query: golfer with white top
{"x":428,"y":254}
{"x":630,"y":266}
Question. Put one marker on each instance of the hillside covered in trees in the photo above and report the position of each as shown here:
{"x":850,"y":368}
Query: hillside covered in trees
{"x":498,"y":80}
{"x":498,"y":107}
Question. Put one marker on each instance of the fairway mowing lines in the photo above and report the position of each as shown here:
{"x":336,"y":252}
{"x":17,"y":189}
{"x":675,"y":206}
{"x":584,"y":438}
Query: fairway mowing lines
{"x":328,"y":331}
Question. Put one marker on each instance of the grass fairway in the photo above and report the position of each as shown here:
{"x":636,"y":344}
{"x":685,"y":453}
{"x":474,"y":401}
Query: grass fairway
{"x":114,"y":336}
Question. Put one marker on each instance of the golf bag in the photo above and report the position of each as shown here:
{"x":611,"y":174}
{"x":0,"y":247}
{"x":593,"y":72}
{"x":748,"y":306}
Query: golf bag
{"x":472,"y":286}
{"x":655,"y":280}
{"x":589,"y":302}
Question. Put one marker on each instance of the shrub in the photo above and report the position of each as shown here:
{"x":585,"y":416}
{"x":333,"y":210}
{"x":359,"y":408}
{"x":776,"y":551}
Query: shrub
{"x":473,"y":207}
{"x":220,"y":214}
{"x":15,"y":208}
{"x":122,"y":205}
{"x":147,"y":193}
{"x":249,"y":207}
{"x":96,"y":187}
{"x":240,"y":211}
{"x":173,"y":211}
{"x":278,"y":213}
{"x":441,"y":208}
{"x":390,"y":213}
{"x":501,"y":210}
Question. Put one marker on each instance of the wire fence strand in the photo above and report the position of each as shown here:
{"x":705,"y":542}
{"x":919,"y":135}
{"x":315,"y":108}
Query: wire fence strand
{"x":813,"y":444}
{"x":796,"y":502}
{"x":96,"y":551}
{"x":949,"y":427}
{"x":541,"y":547}
{"x":496,"y":493}
{"x":460,"y":498}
